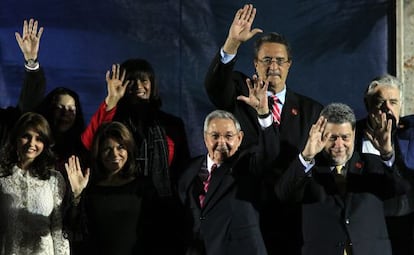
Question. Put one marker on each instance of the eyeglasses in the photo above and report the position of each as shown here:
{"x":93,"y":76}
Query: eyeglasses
{"x":268,"y":61}
{"x":216,"y":136}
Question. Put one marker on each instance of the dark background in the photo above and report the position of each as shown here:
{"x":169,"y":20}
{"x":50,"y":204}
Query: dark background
{"x":338,"y":47}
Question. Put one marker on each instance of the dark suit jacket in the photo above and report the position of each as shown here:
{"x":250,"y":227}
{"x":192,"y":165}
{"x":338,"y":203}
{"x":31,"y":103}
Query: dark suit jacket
{"x":229,"y":221}
{"x":331,"y":220}
{"x":280,"y":225}
{"x":399,"y":209}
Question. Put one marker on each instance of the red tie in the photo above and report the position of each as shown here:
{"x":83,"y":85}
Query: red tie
{"x":206,"y":183}
{"x":275,"y":109}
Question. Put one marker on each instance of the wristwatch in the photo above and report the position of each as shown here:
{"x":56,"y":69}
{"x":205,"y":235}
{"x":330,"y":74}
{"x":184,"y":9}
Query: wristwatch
{"x":31,"y":64}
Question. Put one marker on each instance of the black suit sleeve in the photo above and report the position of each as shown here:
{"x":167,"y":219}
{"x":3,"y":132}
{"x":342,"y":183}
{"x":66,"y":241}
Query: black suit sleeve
{"x":291,"y":185}
{"x":33,"y":90}
{"x":219,"y":84}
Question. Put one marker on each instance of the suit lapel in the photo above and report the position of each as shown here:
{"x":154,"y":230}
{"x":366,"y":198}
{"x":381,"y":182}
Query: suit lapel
{"x":290,"y":110}
{"x":219,"y":184}
{"x":187,"y":180}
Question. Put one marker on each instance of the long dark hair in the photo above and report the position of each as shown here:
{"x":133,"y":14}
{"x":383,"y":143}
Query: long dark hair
{"x":137,"y":68}
{"x":42,"y":164}
{"x":138,"y":114}
{"x":71,"y":138}
{"x":122,"y":135}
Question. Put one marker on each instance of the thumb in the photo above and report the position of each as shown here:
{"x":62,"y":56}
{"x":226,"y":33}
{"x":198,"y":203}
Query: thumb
{"x":256,"y":31}
{"x":243,"y":99}
{"x":87,"y":173}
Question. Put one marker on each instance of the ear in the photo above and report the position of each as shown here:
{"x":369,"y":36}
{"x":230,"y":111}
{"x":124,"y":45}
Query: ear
{"x":240,"y":135}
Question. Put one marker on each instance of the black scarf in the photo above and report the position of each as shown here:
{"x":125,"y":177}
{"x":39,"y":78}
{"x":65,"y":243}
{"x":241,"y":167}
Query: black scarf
{"x":141,"y":117}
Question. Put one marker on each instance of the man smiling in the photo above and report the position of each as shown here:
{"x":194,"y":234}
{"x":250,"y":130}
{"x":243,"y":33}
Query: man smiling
{"x":291,"y":112}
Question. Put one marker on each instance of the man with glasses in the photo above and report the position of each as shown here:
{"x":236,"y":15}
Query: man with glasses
{"x":220,"y":190}
{"x":342,"y":191}
{"x":383,"y":96}
{"x":292,"y":113}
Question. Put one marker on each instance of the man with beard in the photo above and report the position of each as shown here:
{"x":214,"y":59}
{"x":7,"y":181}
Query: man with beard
{"x":293,"y":113}
{"x":342,"y":191}
{"x":383,"y":95}
{"x":133,"y":99}
{"x":220,"y":190}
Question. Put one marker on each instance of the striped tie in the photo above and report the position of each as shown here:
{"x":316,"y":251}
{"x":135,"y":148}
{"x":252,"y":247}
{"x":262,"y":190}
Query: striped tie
{"x":206,"y":182}
{"x":275,"y":109}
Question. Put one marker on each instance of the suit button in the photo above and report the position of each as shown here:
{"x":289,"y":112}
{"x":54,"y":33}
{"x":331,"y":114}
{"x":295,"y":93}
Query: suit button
{"x":347,"y":221}
{"x":350,"y":244}
{"x":202,"y":218}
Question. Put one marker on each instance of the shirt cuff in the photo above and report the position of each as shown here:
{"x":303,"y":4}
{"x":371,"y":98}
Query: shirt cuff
{"x":225,"y":57}
{"x":307,"y":164}
{"x":33,"y":67}
{"x":265,"y":122}
{"x":390,"y":161}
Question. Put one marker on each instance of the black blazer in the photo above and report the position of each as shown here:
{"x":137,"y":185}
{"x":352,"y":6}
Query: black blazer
{"x":229,"y":221}
{"x":280,"y":224}
{"x":399,"y":210}
{"x":31,"y":93}
{"x":331,"y":220}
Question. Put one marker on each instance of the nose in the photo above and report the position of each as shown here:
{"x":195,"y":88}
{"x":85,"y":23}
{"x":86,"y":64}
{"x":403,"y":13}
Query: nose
{"x":113,"y":151}
{"x":140,"y":84}
{"x":386,"y":106}
{"x":274,"y":64}
{"x":221,"y":139}
{"x":32,"y":141}
{"x":339,"y":142}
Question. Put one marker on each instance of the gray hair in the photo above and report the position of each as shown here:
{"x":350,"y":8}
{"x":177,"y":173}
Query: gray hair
{"x":386,"y":80}
{"x":220,"y":114}
{"x":339,"y":113}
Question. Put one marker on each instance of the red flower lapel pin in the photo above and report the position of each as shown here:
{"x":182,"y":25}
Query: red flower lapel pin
{"x":359,"y":165}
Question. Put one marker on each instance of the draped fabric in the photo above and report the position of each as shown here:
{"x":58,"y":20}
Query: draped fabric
{"x":335,"y":55}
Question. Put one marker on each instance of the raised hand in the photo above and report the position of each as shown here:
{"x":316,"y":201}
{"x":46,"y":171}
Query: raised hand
{"x":115,"y":85}
{"x":317,"y":139}
{"x":257,"y":97}
{"x":77,"y":179}
{"x":241,"y":29}
{"x":29,"y":41}
{"x":380,"y":134}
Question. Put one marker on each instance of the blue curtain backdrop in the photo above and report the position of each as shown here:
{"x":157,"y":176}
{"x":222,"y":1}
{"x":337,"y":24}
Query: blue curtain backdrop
{"x":338,"y":47}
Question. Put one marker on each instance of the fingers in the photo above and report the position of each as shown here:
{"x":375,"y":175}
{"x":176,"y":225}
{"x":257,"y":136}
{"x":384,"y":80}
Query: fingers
{"x":87,"y":173}
{"x":237,"y":16}
{"x":246,"y":11}
{"x":245,"y":14}
{"x":34,"y":28}
{"x":114,"y":74}
{"x":107,"y":75}
{"x":19,"y":39}
{"x":123,"y":75}
{"x":325,"y":137}
{"x":114,"y":71}
{"x":39,"y":34}
{"x":252,"y":14}
{"x":319,"y":126}
{"x":29,"y":32}
{"x":73,"y":165}
{"x":249,"y":84}
{"x":25,"y":28}
{"x":77,"y":163}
